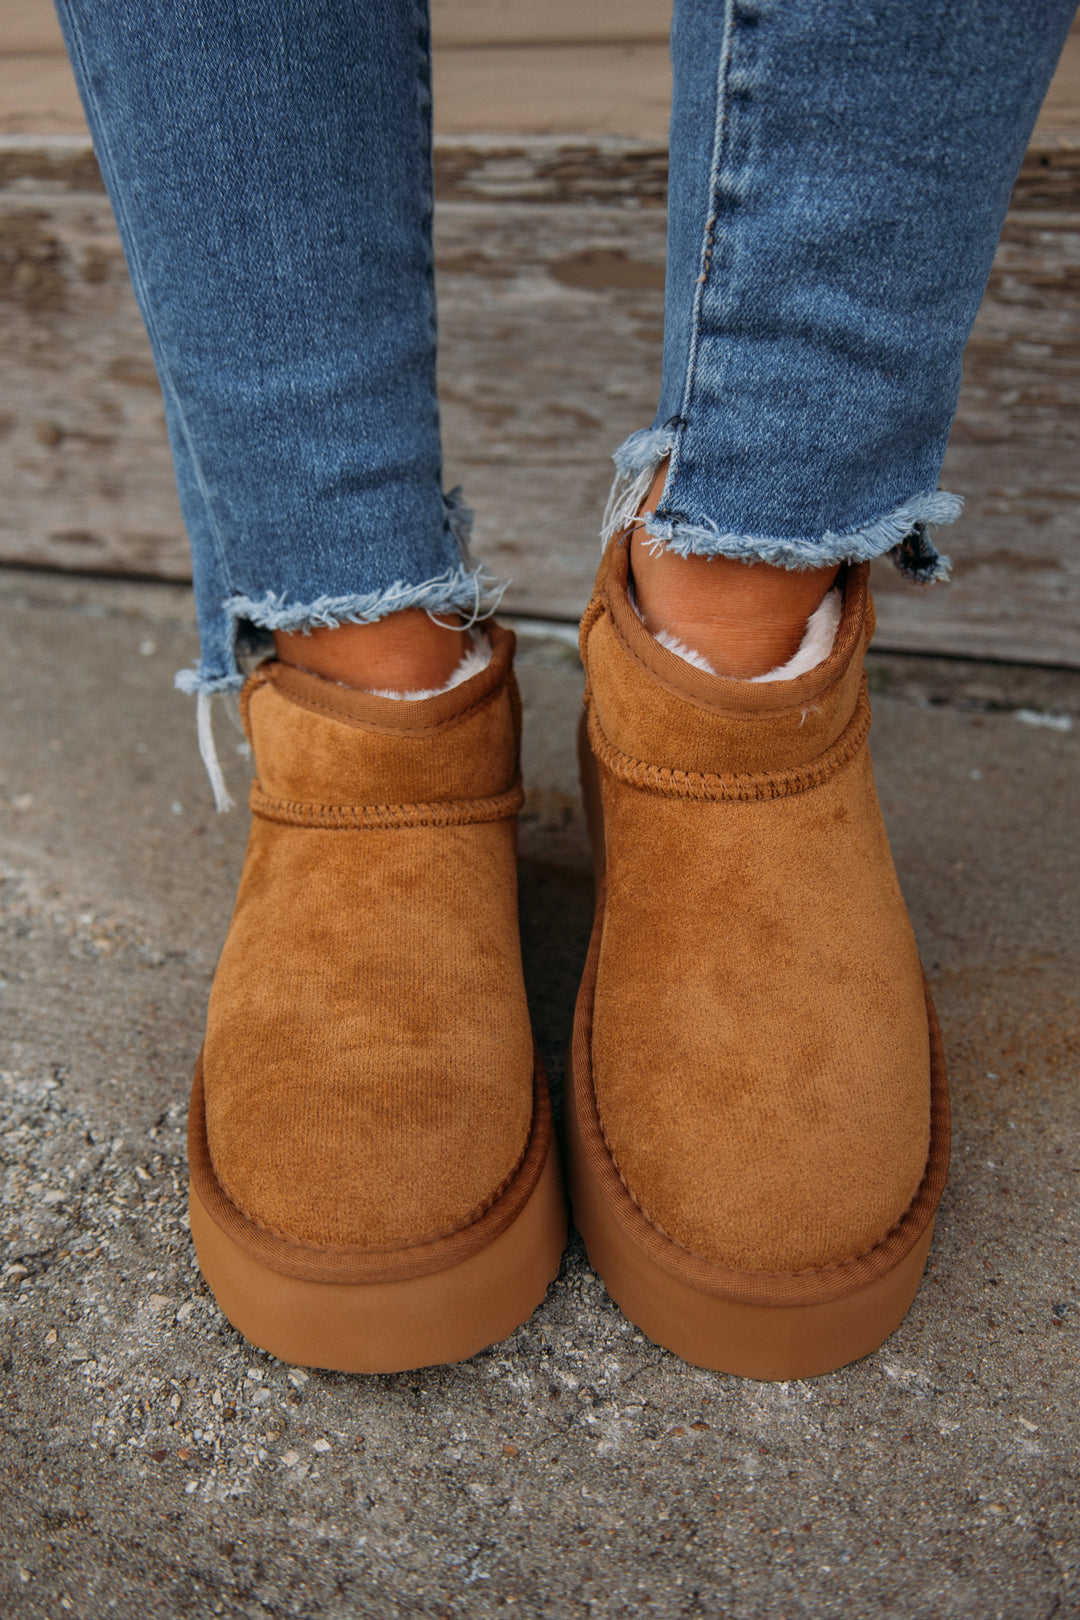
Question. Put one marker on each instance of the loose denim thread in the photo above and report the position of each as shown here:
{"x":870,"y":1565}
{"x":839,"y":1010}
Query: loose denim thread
{"x":223,"y":799}
{"x":902,"y":532}
{"x":636,"y":462}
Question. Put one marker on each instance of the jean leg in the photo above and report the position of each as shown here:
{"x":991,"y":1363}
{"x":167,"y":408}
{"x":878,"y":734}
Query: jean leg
{"x":270,"y":169}
{"x":839,"y":180}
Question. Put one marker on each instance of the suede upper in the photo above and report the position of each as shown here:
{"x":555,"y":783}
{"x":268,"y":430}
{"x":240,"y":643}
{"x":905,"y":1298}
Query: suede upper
{"x":368,"y":1066}
{"x":760,"y":1050}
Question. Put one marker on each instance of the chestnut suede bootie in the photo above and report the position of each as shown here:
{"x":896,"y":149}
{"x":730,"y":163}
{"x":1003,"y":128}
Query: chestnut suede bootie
{"x":759,"y":1129}
{"x":374,"y":1184}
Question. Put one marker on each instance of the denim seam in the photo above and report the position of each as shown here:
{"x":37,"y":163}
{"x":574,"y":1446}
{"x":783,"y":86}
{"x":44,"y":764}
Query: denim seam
{"x":139,"y":279}
{"x":720,"y":122}
{"x":902,"y":530}
{"x":637,"y":459}
{"x":426,"y":197}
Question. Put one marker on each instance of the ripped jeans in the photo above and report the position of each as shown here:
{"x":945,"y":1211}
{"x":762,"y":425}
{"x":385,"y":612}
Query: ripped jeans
{"x":839,"y":178}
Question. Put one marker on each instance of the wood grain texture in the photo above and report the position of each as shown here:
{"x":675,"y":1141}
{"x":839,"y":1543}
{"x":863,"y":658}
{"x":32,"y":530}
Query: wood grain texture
{"x":84,"y":464}
{"x":550,"y":263}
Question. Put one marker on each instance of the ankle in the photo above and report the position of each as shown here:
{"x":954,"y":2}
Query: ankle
{"x":744,"y":618}
{"x":404,"y":652}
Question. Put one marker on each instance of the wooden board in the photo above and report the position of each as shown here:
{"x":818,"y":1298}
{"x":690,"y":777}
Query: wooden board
{"x":540,"y":387}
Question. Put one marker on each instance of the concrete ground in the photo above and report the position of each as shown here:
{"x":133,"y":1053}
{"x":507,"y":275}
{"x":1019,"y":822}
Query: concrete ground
{"x":155,"y":1465}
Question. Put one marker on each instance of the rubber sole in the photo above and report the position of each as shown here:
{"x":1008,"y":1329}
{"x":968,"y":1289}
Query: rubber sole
{"x":745,"y":1323}
{"x":767,"y":1342}
{"x":383,"y":1327}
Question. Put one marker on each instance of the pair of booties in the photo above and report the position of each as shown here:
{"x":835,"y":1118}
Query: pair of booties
{"x":757,"y":1116}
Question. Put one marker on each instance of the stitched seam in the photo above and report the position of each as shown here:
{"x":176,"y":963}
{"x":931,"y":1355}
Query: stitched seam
{"x":673,"y":783}
{"x":314,"y":706}
{"x":344,"y":1250}
{"x":720,"y":130}
{"x":258,"y":677}
{"x":741,"y":1271}
{"x":593,"y":613}
{"x":386,"y":817}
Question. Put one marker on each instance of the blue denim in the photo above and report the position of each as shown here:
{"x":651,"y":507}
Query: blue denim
{"x":269,"y":164}
{"x":839,"y":177}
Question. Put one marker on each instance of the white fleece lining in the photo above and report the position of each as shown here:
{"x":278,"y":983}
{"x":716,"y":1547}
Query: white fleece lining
{"x":477,"y":658}
{"x":813,"y":649}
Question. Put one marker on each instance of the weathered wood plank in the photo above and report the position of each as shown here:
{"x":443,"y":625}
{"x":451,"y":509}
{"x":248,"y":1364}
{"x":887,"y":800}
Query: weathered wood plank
{"x":84,"y":465}
{"x":535,"y":169}
{"x":551,"y":320}
{"x":38,"y":94}
{"x":44,"y":166}
{"x":552,"y":169}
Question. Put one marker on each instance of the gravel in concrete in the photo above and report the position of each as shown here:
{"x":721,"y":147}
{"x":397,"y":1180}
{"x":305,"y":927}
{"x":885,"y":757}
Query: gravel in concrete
{"x":155,"y":1465}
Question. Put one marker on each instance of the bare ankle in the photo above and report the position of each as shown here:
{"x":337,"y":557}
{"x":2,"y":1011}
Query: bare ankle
{"x":404,"y":652}
{"x":744,"y":618}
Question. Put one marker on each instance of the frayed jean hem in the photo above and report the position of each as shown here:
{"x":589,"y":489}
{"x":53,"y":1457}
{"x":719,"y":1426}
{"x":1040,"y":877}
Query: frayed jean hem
{"x":471,"y":592}
{"x":903,"y":532}
{"x":248,"y":622}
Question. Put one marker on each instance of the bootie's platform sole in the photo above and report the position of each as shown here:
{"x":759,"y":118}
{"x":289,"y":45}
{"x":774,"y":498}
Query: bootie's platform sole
{"x":443,"y":1314}
{"x":753,"y":1324}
